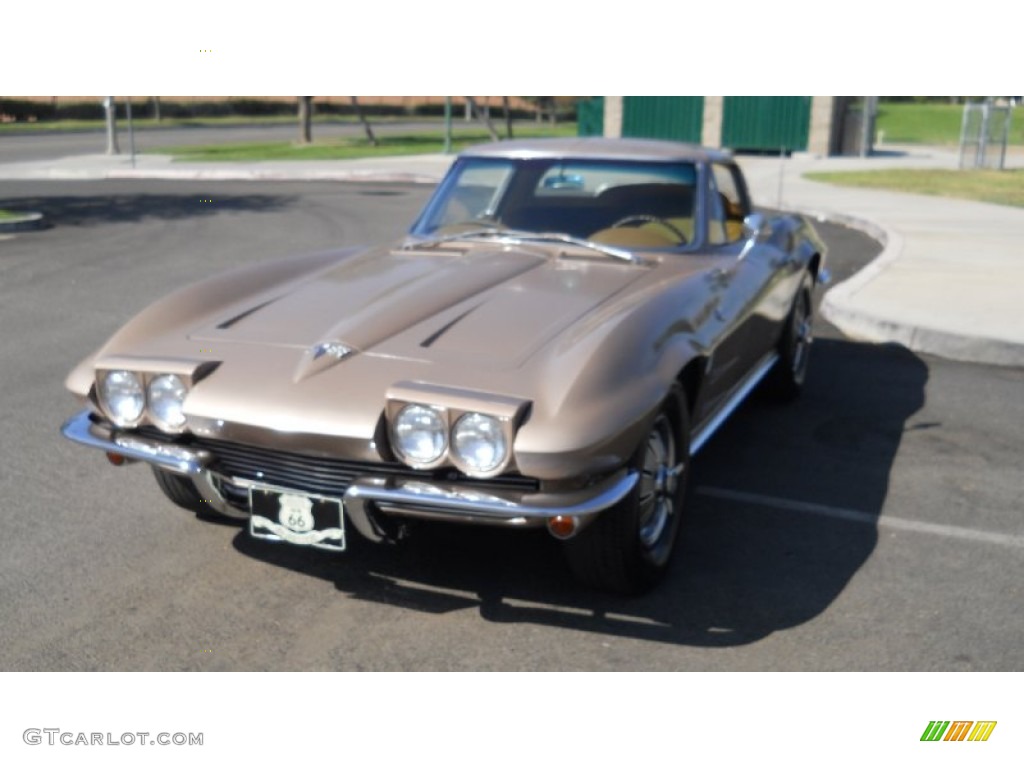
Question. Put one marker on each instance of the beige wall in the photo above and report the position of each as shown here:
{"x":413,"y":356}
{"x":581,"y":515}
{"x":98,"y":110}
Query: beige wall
{"x":613,"y":117}
{"x":819,"y":137}
{"x":711,"y":131}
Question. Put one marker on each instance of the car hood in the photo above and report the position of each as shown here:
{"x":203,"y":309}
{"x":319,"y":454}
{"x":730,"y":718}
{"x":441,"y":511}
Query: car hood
{"x":485,"y":305}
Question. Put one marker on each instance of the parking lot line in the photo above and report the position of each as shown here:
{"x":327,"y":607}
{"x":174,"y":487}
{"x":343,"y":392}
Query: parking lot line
{"x":855,"y":516}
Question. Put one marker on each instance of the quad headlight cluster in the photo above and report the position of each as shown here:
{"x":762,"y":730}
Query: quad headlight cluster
{"x":424,"y":436}
{"x":126,"y":397}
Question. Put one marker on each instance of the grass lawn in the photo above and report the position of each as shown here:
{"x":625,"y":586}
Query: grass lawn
{"x":425,"y":142}
{"x":5,"y":214}
{"x":936,"y":124}
{"x":1002,"y":187}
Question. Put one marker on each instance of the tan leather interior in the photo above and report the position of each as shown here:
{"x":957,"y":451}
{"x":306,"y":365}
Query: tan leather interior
{"x":645,"y":236}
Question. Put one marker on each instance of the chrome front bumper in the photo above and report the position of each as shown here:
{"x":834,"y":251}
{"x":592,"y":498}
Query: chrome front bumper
{"x":369,"y":495}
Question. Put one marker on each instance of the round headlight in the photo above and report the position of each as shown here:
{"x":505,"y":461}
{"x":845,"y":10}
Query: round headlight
{"x":166,"y":396}
{"x":122,"y":396}
{"x":419,"y":434}
{"x":478,"y":441}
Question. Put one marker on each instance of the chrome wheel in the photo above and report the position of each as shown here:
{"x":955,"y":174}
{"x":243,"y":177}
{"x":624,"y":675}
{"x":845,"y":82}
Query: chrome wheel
{"x":794,"y":348}
{"x":628,"y":548}
{"x":803,"y":335}
{"x":659,"y":478}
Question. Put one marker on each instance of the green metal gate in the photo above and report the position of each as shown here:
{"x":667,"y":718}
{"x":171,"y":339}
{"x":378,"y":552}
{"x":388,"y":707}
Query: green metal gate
{"x":590,"y":116}
{"x":766,"y":122}
{"x":663,"y":117}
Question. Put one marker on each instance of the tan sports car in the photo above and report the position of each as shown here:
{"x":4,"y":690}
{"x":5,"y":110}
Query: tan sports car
{"x":564,"y":326}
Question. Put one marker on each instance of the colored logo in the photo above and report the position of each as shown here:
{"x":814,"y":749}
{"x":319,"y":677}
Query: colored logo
{"x":959,"y":730}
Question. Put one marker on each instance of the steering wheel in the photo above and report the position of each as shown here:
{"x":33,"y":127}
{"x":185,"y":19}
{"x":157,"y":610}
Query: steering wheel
{"x":645,"y":218}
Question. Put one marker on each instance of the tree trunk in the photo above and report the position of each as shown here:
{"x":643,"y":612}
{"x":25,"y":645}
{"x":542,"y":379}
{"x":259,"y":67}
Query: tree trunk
{"x":305,"y":119}
{"x":365,"y":123}
{"x":156,"y":108}
{"x":508,"y":116}
{"x":471,"y":102}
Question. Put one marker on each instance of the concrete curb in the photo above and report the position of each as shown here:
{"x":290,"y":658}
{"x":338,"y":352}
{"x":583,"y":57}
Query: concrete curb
{"x":838,"y":305}
{"x":381,"y":177}
{"x":23,"y":223}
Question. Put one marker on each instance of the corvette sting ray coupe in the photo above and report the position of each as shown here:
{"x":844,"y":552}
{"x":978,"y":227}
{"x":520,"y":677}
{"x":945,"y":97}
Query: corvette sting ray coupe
{"x":564,"y":326}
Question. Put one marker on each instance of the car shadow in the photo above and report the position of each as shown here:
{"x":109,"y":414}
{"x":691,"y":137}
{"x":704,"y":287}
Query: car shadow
{"x":89,"y":210}
{"x":754,"y":558}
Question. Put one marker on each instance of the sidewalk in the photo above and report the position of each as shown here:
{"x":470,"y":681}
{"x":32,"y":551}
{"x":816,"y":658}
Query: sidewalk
{"x":949,"y":280}
{"x":417,"y":169}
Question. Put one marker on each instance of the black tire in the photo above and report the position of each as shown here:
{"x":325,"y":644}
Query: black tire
{"x":786,"y":380}
{"x":628,"y":548}
{"x":180,"y":490}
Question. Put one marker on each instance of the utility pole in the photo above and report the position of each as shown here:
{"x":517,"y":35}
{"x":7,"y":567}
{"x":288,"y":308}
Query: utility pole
{"x":108,"y":105}
{"x":131,"y":128}
{"x":867,"y":125}
{"x":447,"y":125}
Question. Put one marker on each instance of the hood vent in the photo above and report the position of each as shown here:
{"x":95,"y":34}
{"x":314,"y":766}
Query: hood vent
{"x":446,"y":327}
{"x":241,"y":316}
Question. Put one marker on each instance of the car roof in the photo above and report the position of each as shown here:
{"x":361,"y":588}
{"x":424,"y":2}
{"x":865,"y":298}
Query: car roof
{"x":600,"y":148}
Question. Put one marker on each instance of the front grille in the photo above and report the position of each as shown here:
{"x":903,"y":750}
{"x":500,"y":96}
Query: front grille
{"x":324,"y":476}
{"x":328,"y":477}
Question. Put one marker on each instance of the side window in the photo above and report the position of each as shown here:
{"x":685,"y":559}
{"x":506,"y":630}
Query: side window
{"x":730,"y":207}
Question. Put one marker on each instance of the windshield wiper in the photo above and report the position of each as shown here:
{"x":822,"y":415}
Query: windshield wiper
{"x":515,"y":236}
{"x":561,"y":237}
{"x":469,"y":234}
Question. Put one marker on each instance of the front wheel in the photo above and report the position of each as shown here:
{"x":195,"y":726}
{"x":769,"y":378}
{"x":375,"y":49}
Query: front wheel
{"x":183,"y":492}
{"x":180,"y":490}
{"x":628,"y":548}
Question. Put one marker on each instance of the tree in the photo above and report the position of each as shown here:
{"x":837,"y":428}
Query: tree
{"x":362,"y":119}
{"x":305,"y":119}
{"x":542,"y":104}
{"x":482,"y":117}
{"x":508,"y":116}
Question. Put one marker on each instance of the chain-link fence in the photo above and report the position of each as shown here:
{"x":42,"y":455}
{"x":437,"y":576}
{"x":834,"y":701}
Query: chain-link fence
{"x":983,"y":135}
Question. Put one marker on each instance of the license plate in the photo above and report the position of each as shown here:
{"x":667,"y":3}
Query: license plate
{"x":298,"y":518}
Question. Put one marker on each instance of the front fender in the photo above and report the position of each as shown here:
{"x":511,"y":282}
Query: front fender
{"x":603,"y":384}
{"x":207,"y":297}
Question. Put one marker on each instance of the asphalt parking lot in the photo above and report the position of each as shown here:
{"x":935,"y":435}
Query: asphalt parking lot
{"x":872,"y":525}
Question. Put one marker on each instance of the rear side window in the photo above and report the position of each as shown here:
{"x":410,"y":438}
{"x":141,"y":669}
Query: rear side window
{"x":728,"y":206}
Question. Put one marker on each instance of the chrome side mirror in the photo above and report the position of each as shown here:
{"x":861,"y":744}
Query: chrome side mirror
{"x":755,"y":226}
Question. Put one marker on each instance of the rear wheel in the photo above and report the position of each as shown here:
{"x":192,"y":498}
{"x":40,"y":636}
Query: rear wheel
{"x":628,"y":548}
{"x":787,"y":378}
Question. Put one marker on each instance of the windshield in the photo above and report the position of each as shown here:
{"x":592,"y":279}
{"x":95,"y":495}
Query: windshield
{"x":628,"y":204}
